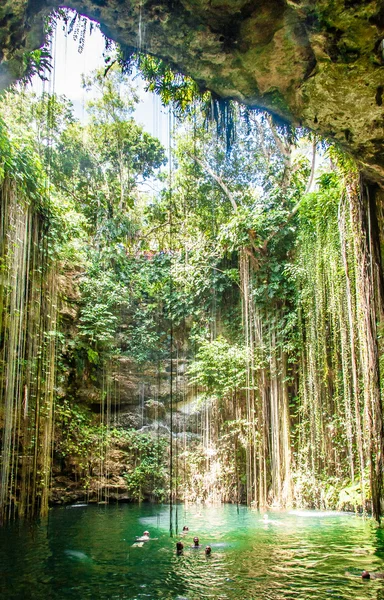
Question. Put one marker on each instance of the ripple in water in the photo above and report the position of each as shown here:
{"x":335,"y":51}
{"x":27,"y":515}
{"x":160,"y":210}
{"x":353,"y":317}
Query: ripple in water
{"x":89,"y":554}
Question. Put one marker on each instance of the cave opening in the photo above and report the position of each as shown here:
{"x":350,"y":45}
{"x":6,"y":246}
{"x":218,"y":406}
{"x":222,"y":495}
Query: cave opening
{"x":191,"y":294}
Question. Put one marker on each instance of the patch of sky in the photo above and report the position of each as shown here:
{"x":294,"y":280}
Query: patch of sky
{"x":66,"y":76}
{"x":70,"y":65}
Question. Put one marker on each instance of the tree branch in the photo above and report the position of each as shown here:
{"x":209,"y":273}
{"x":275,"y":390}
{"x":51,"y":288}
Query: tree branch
{"x":310,"y":180}
{"x":165,"y":224}
{"x":227,"y":192}
{"x":285,"y":149}
{"x":298,"y":204}
{"x":218,"y":180}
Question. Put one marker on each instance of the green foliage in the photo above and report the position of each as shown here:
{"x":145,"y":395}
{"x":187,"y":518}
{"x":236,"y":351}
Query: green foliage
{"x":219,"y":368}
{"x":19,"y":161}
{"x":351,"y":493}
{"x":142,"y":266}
{"x":79,"y":438}
{"x":101,"y":298}
{"x":83,"y":443}
{"x":37,"y":62}
{"x":318,"y":211}
{"x":172,"y":87}
{"x":146,"y":474}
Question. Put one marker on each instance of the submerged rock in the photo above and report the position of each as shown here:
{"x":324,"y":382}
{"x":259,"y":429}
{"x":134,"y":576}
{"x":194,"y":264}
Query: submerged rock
{"x":75,"y":554}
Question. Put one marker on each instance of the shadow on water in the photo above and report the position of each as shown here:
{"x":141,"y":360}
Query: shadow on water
{"x":89,"y":553}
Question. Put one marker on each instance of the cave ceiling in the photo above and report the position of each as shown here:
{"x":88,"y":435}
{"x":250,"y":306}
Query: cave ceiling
{"x":316,"y":63}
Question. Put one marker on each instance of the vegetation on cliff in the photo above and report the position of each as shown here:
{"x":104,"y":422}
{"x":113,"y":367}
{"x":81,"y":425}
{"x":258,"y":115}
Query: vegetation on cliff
{"x":247,"y":282}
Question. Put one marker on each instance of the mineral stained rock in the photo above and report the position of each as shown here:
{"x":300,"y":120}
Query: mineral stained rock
{"x":319,"y":63}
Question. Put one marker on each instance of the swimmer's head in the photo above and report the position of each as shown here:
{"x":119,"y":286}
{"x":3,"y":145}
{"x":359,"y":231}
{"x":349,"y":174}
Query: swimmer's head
{"x":196,"y":541}
{"x":179,"y":546}
{"x":146,"y":533}
{"x":208,"y":550}
{"x":185,"y":528}
{"x":365,"y":575}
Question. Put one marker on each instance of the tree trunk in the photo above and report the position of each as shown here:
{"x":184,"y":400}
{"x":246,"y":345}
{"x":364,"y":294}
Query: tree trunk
{"x":359,"y":213}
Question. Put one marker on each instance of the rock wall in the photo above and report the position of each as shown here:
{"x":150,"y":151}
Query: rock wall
{"x":319,"y":63}
{"x":140,"y":400}
{"x":122,"y":394}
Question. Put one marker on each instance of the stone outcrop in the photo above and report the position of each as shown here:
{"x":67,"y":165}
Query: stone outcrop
{"x":319,"y":63}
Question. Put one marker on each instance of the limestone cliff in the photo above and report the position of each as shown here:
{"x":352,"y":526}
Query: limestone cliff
{"x":315,"y":62}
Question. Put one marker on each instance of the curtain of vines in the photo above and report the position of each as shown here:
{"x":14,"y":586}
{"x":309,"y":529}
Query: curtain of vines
{"x":28,"y":320}
{"x":339,"y":422}
{"x":312,"y":401}
{"x":268,"y":449}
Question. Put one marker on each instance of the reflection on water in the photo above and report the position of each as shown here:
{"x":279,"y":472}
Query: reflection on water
{"x":89,"y":553}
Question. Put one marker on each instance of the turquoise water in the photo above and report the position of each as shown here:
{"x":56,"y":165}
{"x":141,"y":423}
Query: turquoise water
{"x":86,"y":552}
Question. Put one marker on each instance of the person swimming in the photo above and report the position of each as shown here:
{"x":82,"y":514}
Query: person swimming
{"x":368,"y":575}
{"x":179,"y":547}
{"x":185,"y":528}
{"x":196,"y":542}
{"x":144,"y":538}
{"x":208,"y":550}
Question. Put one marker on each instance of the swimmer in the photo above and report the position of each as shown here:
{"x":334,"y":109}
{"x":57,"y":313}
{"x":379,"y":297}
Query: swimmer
{"x":368,"y":575}
{"x":179,"y":547}
{"x":196,"y":542}
{"x":144,"y":537}
{"x":185,"y":528}
{"x":266,"y":519}
{"x":208,"y":550}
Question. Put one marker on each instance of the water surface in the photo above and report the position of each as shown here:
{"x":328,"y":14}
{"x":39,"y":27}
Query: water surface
{"x":86,"y":552}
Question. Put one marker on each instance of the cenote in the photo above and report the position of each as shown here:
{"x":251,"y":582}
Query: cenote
{"x":87,"y":552}
{"x":191,"y":300}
